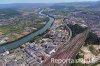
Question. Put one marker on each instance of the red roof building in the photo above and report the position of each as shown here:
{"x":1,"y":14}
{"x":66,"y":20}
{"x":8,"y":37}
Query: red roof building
{"x":97,"y":33}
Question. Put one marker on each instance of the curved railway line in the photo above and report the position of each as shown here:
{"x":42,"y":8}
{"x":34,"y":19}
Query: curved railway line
{"x":68,"y":50}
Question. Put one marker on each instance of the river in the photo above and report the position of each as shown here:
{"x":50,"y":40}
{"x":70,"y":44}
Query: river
{"x":17,"y":43}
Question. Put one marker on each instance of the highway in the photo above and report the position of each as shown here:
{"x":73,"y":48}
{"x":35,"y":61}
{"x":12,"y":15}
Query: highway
{"x":68,"y":50}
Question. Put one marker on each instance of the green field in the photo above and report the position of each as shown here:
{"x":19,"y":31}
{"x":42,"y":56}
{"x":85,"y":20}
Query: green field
{"x":22,"y":25}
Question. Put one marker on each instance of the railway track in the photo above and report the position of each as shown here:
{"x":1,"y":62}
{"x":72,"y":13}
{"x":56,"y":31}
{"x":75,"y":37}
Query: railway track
{"x":68,"y":50}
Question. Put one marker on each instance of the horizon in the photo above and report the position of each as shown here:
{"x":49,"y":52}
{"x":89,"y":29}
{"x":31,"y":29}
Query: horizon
{"x":43,"y":1}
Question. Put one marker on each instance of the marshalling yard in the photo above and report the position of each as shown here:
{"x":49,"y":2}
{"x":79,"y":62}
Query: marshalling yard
{"x":50,"y":33}
{"x":56,"y":43}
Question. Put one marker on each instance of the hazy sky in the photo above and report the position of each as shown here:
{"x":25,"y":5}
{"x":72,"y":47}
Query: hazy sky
{"x":40,"y":1}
